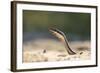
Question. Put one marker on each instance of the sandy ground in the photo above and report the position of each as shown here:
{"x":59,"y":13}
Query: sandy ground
{"x":43,"y":50}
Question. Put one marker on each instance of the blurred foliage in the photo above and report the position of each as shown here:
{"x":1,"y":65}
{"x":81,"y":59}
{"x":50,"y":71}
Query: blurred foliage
{"x":74,"y":23}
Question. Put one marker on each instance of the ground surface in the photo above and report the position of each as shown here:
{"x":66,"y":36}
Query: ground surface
{"x":41,"y":50}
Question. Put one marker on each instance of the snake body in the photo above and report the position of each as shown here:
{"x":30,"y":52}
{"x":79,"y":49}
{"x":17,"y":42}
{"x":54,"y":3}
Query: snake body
{"x":61,"y":36}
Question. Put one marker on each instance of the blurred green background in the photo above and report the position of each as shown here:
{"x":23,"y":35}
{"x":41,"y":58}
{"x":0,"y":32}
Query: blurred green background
{"x":74,"y":24}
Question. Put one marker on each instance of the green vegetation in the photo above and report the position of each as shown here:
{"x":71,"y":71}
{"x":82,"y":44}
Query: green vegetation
{"x":74,"y":23}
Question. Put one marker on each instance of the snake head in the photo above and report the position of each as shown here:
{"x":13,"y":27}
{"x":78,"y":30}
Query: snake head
{"x":57,"y":33}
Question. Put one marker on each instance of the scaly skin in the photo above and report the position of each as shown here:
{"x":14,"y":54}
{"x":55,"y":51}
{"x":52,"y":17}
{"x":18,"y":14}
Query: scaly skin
{"x":61,"y":36}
